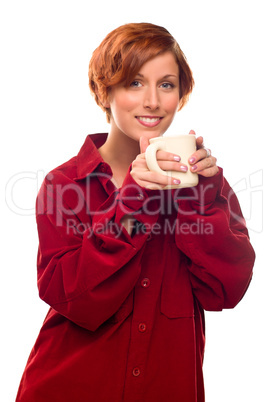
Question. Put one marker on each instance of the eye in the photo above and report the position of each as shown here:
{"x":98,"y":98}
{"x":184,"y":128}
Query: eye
{"x":135,"y":84}
{"x":167,"y":85}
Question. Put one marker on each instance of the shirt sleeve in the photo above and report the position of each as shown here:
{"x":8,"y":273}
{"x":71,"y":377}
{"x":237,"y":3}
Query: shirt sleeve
{"x":211,"y":231}
{"x":87,"y":270}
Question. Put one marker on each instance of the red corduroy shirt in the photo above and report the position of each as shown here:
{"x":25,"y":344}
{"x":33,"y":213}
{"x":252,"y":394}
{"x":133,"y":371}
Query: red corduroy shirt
{"x":126,"y":321}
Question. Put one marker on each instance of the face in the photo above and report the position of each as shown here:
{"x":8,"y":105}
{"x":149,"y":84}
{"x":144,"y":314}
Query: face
{"x":148,"y":105}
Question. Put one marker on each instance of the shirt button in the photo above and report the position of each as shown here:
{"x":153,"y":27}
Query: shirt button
{"x":145,"y":283}
{"x":136,"y":372}
{"x":140,"y":197}
{"x":142,"y":327}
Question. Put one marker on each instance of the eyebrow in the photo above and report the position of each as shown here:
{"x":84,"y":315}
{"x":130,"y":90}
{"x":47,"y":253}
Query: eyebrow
{"x":165,"y":76}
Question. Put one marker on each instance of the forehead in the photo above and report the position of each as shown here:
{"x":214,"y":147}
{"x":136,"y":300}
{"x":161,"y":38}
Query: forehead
{"x":163,"y":64}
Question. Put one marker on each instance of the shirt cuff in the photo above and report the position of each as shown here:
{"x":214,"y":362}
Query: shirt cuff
{"x":142,"y":203}
{"x":205,"y":193}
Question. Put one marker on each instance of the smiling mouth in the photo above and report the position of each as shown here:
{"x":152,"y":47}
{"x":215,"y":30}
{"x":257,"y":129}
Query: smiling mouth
{"x":149,"y":121}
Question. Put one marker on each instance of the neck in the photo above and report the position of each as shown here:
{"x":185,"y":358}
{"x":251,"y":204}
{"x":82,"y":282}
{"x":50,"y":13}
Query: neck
{"x":119,"y":150}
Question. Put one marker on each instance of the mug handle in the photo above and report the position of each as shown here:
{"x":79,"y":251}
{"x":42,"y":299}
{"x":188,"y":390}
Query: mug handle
{"x":150,"y":157}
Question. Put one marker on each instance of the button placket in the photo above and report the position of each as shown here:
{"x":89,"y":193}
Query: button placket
{"x":145,"y":304}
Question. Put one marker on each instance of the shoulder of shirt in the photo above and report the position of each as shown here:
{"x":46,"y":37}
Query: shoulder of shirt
{"x":78,"y":166}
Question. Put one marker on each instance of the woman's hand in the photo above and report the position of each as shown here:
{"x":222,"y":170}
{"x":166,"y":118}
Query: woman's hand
{"x":154,"y":180}
{"x":201,"y":163}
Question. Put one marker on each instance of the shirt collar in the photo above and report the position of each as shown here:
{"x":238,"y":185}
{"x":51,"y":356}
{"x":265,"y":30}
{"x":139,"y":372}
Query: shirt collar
{"x":89,"y":158}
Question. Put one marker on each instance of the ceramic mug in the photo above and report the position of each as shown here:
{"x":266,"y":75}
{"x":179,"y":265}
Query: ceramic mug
{"x":182,"y":145}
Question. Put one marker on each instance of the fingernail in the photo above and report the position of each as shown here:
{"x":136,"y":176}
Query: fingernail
{"x":192,"y":160}
{"x":177,"y":158}
{"x":194,"y":167}
{"x":184,"y":168}
{"x":176,"y":181}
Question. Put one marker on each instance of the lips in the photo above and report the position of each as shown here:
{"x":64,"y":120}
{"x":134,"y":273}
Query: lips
{"x":149,"y":121}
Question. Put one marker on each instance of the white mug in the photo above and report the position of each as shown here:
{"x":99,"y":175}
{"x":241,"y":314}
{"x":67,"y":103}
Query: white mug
{"x":182,"y":145}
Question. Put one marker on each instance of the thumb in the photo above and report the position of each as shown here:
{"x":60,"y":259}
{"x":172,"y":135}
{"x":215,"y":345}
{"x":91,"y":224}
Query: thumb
{"x":144,"y":142}
{"x":191,"y":132}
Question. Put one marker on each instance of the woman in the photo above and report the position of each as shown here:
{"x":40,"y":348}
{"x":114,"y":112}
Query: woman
{"x":126,"y":267}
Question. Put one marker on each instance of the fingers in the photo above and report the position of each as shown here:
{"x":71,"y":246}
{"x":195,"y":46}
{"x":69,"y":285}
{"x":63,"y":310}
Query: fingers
{"x":201,"y":161}
{"x":154,"y":180}
{"x":203,"y":164}
{"x":199,"y":155}
{"x":161,"y":155}
{"x":148,"y":179}
{"x":170,"y":161}
{"x":209,"y":172}
{"x":172,"y":165}
{"x":166,"y":160}
{"x":167,"y":156}
{"x":199,"y":142}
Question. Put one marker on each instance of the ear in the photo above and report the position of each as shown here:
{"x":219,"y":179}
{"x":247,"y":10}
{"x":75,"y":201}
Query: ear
{"x":106,"y":104}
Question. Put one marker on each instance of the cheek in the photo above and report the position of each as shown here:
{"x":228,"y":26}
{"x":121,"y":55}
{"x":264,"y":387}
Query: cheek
{"x":172,"y":103}
{"x":124,"y":104}
{"x":172,"y":106}
{"x":131,"y":101}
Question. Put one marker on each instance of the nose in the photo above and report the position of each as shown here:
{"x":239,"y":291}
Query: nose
{"x":151,"y":99}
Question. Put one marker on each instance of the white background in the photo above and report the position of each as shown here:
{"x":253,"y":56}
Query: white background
{"x":47,"y":111}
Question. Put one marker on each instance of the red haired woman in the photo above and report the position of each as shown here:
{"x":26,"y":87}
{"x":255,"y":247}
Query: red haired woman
{"x":126,"y":267}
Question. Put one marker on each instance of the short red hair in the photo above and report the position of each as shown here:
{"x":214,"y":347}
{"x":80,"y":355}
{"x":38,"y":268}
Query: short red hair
{"x":123,"y":52}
